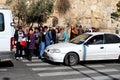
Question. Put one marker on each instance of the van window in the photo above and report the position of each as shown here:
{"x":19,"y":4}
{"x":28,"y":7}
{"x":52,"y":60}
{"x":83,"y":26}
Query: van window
{"x":1,"y":22}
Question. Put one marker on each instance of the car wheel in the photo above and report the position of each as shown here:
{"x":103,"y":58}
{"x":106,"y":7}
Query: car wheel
{"x":71,"y":59}
{"x":118,"y":59}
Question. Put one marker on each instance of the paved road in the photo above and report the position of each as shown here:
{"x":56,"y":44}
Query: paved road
{"x":44,"y":70}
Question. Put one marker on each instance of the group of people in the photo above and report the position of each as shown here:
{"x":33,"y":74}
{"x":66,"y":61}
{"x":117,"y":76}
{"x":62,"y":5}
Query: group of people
{"x":38,"y":38}
{"x":78,"y":30}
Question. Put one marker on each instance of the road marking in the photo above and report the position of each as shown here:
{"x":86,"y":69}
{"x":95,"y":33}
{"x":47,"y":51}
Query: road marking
{"x":99,"y":70}
{"x":38,"y":60}
{"x":63,"y":67}
{"x":57,"y":73}
{"x":112,"y":64}
{"x":75,"y":72}
{"x":110,"y":77}
{"x":2,"y":70}
{"x":34,"y":57}
{"x":38,"y":64}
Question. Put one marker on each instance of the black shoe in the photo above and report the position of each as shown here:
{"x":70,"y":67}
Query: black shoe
{"x":39,"y":57}
{"x":30,"y":59}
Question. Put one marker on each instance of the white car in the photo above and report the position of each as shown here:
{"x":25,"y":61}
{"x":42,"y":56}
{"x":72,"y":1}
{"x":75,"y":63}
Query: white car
{"x":88,"y":46}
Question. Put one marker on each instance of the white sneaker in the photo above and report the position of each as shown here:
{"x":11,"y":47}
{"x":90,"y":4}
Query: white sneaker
{"x":17,"y":58}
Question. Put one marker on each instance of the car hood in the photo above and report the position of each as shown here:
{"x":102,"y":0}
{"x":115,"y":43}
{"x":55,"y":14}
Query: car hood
{"x":62,"y":45}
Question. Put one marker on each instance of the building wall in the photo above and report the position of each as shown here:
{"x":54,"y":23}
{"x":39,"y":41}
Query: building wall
{"x":88,"y":13}
{"x":2,"y":2}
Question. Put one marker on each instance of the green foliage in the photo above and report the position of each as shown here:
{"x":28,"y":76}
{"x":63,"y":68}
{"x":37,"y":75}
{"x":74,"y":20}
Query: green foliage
{"x":40,"y":11}
{"x":63,"y":6}
{"x":35,"y":11}
{"x":116,"y":15}
{"x":20,"y":10}
{"x":118,"y":6}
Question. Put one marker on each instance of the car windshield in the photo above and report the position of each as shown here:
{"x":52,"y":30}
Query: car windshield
{"x":80,"y":39}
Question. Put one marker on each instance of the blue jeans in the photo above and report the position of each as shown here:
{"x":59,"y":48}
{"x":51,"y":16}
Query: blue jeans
{"x":42,"y":48}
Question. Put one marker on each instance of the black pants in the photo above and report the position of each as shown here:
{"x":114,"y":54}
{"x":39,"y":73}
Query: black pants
{"x":30,"y":54}
{"x":36,"y":51}
{"x":27,"y":50}
{"x":19,"y":50}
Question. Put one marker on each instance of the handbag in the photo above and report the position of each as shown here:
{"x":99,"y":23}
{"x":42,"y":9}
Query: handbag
{"x":23,"y":42}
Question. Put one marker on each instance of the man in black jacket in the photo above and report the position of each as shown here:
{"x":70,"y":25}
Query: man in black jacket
{"x":53,"y":32}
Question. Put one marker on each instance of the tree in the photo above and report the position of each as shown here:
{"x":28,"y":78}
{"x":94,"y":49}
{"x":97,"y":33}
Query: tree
{"x":116,"y":15}
{"x":40,"y":11}
{"x":33,"y":11}
{"x":118,"y":7}
{"x":20,"y":10}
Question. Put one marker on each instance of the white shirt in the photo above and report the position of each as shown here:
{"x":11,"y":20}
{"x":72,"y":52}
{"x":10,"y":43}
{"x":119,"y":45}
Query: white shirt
{"x":20,"y":36}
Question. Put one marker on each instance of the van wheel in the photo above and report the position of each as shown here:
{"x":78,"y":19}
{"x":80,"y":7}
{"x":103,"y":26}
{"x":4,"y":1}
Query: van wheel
{"x":71,"y":59}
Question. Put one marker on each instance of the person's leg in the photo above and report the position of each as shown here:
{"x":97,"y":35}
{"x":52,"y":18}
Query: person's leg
{"x":17,"y":50}
{"x":30,"y":54}
{"x":27,"y":51}
{"x":21,"y":51}
{"x":37,"y":50}
{"x":40,"y":45}
{"x":42,"y":49}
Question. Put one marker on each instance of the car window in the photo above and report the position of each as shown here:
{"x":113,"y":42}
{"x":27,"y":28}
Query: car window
{"x":98,"y":39}
{"x":111,"y":38}
{"x":80,"y":39}
{"x":1,"y":22}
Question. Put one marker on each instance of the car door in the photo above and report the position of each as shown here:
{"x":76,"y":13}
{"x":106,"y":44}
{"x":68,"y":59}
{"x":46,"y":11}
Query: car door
{"x":94,"y":48}
{"x":112,"y":43}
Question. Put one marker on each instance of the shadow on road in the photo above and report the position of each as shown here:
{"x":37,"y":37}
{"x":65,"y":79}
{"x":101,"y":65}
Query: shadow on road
{"x":50,"y":62}
{"x":85,"y":65}
{"x":6,"y":64}
{"x":98,"y":62}
{"x":84,"y":62}
{"x":6,"y":78}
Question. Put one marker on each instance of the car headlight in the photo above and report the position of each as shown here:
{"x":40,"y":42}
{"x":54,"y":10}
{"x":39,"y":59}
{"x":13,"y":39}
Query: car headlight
{"x":54,"y":51}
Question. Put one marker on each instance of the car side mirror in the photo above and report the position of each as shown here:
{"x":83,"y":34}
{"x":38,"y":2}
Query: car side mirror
{"x":12,"y":24}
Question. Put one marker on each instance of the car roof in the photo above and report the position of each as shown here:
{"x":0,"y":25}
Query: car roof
{"x":97,"y":33}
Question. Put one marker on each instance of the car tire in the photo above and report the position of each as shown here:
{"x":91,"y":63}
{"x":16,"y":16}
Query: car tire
{"x":71,"y":59}
{"x":118,"y":59}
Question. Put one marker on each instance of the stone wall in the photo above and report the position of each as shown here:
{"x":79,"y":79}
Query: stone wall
{"x":2,"y":2}
{"x":89,"y":13}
